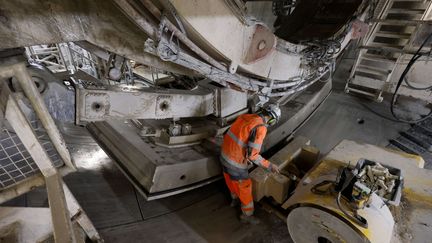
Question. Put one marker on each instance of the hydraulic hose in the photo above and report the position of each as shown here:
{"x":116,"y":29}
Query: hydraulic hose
{"x":402,"y":78}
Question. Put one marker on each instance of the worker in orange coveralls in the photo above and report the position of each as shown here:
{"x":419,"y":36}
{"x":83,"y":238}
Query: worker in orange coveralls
{"x":241,"y":146}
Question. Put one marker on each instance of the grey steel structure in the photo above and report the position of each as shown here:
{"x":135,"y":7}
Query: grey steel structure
{"x":165,"y":135}
{"x":163,"y":165}
{"x":97,"y":103}
{"x":26,"y":148}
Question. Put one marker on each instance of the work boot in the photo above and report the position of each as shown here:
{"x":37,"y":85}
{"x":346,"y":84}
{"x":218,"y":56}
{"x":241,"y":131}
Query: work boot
{"x":235,"y":202}
{"x":249,"y":219}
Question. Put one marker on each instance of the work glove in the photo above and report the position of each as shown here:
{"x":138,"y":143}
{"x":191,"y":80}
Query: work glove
{"x":274,"y":168}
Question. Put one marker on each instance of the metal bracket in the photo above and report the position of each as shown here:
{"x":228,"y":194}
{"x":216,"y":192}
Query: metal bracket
{"x":150,"y":103}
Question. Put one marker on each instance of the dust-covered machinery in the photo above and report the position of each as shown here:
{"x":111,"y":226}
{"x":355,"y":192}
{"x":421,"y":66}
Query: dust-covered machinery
{"x":157,"y":82}
{"x":173,"y":74}
{"x":356,"y":193}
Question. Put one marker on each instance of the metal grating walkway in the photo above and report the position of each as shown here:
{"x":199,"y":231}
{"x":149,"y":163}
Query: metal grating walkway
{"x":417,"y":140}
{"x":16,"y":164}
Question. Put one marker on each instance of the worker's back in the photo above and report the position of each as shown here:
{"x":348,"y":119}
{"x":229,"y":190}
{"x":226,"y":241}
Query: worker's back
{"x":234,"y":147}
{"x":242,"y":144}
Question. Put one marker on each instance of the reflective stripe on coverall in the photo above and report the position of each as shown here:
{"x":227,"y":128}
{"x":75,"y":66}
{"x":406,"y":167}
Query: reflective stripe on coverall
{"x":242,"y":143}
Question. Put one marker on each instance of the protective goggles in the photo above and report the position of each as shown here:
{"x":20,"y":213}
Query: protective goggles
{"x":271,"y":122}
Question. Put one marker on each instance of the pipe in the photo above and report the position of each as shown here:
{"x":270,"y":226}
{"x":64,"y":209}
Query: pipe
{"x":168,"y":7}
{"x":142,"y":21}
{"x":145,"y":24}
{"x":183,"y":38}
{"x":152,"y":8}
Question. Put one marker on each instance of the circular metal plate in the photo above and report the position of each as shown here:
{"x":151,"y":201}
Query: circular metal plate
{"x":312,"y":225}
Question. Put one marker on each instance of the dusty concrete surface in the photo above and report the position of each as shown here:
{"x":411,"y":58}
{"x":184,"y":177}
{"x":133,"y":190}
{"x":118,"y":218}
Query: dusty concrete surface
{"x":345,"y":116}
{"x":342,"y":116}
{"x":202,"y":215}
{"x":123,"y":215}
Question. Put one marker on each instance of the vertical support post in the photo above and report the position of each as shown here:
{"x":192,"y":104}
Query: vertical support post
{"x":61,"y":220}
{"x":79,"y":216}
{"x":41,"y":111}
{"x":63,"y":231}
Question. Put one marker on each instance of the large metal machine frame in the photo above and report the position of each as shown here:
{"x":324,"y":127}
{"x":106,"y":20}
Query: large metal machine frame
{"x":159,"y":171}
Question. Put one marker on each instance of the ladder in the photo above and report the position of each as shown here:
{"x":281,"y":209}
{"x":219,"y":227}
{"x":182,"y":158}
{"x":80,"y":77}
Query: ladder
{"x":390,"y":40}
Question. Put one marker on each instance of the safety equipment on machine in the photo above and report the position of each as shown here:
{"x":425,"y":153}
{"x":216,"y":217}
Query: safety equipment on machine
{"x":274,"y":112}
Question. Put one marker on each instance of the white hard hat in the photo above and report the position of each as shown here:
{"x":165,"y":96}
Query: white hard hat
{"x":273,"y":110}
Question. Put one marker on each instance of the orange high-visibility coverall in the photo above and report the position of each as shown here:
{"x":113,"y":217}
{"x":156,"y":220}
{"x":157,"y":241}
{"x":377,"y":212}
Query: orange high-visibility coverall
{"x":241,"y":145}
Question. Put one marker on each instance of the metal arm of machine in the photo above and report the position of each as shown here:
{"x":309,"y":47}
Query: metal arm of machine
{"x":123,"y":102}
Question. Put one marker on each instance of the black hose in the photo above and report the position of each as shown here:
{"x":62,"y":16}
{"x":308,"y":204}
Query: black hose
{"x":351,"y":217}
{"x":315,"y":189}
{"x":356,"y":218}
{"x":415,"y":57}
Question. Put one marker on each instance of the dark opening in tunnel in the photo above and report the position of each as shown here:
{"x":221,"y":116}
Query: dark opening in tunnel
{"x":316,"y":19}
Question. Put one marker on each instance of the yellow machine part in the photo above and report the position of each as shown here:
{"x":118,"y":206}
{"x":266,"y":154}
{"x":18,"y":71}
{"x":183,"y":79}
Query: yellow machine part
{"x":416,"y":198}
{"x":317,"y":218}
